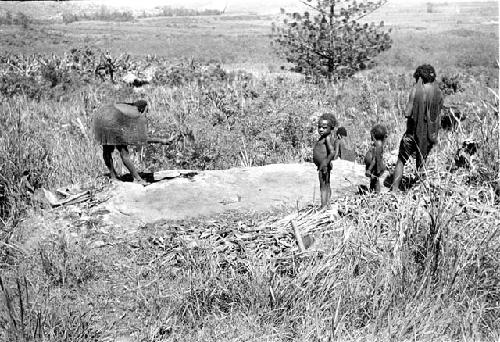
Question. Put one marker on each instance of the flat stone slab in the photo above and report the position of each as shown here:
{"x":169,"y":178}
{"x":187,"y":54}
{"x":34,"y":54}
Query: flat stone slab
{"x":211,"y":192}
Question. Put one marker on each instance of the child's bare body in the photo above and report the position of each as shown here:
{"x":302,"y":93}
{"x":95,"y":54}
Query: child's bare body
{"x":374,"y":158}
{"x":323,"y":153}
{"x":339,"y":143}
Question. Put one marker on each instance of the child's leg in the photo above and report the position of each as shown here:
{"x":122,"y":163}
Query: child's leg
{"x":322,"y":189}
{"x":128,"y":163}
{"x":328,"y":189}
{"x":398,"y":175}
{"x":377,"y":185}
{"x":107,"y":154}
{"x":325,"y":190}
{"x":373,"y":183}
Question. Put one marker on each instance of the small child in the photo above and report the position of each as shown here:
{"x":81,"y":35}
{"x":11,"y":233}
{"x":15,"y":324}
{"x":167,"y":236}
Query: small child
{"x":323,"y":153}
{"x":374,"y":158}
{"x":339,"y":143}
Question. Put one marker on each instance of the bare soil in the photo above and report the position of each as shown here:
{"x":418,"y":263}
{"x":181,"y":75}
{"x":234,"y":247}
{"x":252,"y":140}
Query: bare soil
{"x":213,"y":192}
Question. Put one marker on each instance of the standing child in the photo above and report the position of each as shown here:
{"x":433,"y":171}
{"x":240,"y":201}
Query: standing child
{"x":339,"y":143}
{"x":323,"y":154}
{"x":374,"y":158}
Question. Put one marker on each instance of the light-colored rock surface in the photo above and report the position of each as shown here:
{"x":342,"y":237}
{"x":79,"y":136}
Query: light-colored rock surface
{"x":212,"y":192}
{"x":121,"y":209}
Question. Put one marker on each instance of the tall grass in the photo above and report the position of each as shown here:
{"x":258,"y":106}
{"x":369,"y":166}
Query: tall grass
{"x":420,"y":266}
{"x":221,"y":124}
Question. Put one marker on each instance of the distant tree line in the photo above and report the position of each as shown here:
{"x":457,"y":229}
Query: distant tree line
{"x":18,"y":18}
{"x":185,"y":12}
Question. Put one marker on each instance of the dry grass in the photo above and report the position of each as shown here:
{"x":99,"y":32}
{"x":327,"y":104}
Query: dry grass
{"x":419,"y":266}
{"x":422,"y":266}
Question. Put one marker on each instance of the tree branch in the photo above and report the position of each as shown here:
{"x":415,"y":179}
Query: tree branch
{"x":314,"y":7}
{"x":304,"y":45}
{"x":371,"y":11}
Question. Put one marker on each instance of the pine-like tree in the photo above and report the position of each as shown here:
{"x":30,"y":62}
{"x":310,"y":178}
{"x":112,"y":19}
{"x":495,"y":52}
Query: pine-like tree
{"x":330,"y":41}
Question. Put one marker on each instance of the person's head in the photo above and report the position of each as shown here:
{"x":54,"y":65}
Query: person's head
{"x":426,"y":72}
{"x":326,"y":123}
{"x":141,"y":105}
{"x":378,"y":132}
{"x":341,"y":132}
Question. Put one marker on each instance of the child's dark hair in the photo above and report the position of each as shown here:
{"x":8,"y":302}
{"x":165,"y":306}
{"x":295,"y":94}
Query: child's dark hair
{"x":342,"y":131}
{"x":379,"y":132}
{"x":332,"y":121}
{"x":426,"y":72}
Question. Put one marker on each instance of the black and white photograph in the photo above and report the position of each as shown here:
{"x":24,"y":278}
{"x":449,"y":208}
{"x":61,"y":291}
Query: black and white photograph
{"x":249,"y":170}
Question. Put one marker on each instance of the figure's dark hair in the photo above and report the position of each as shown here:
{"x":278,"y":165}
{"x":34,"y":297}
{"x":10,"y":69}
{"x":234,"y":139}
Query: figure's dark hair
{"x":379,"y":132}
{"x":426,"y":72}
{"x":342,"y":131}
{"x":140,"y":104}
{"x":332,"y":121}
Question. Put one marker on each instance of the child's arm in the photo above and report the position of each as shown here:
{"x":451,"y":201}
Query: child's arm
{"x":409,"y":105}
{"x":336,"y":149}
{"x":379,"y":157}
{"x":369,"y":170}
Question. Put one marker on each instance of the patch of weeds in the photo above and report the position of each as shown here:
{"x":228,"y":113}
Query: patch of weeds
{"x":29,"y":315}
{"x":68,"y":264}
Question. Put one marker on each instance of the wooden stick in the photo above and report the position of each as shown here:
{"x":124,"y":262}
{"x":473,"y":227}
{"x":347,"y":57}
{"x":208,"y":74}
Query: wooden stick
{"x":164,"y":141}
{"x":298,"y":237}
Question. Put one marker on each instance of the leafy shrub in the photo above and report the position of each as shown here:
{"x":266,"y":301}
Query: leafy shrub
{"x":450,"y":84}
{"x":16,"y":84}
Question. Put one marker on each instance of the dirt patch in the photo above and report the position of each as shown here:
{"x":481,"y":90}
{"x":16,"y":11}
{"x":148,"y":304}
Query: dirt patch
{"x":212,"y":192}
{"x":120,"y":210}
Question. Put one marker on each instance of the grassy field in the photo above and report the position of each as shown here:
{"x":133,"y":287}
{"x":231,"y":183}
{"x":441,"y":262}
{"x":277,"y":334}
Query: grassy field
{"x":418,"y":266}
{"x":472,"y":33}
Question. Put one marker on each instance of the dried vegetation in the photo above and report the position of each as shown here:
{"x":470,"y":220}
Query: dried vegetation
{"x":419,"y":266}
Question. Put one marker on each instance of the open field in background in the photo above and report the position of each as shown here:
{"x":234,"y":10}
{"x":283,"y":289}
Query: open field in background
{"x":449,"y":32}
{"x":420,"y":266}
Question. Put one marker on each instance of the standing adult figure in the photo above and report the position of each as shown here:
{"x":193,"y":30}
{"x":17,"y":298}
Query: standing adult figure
{"x":423,"y":121}
{"x":117,"y":125}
